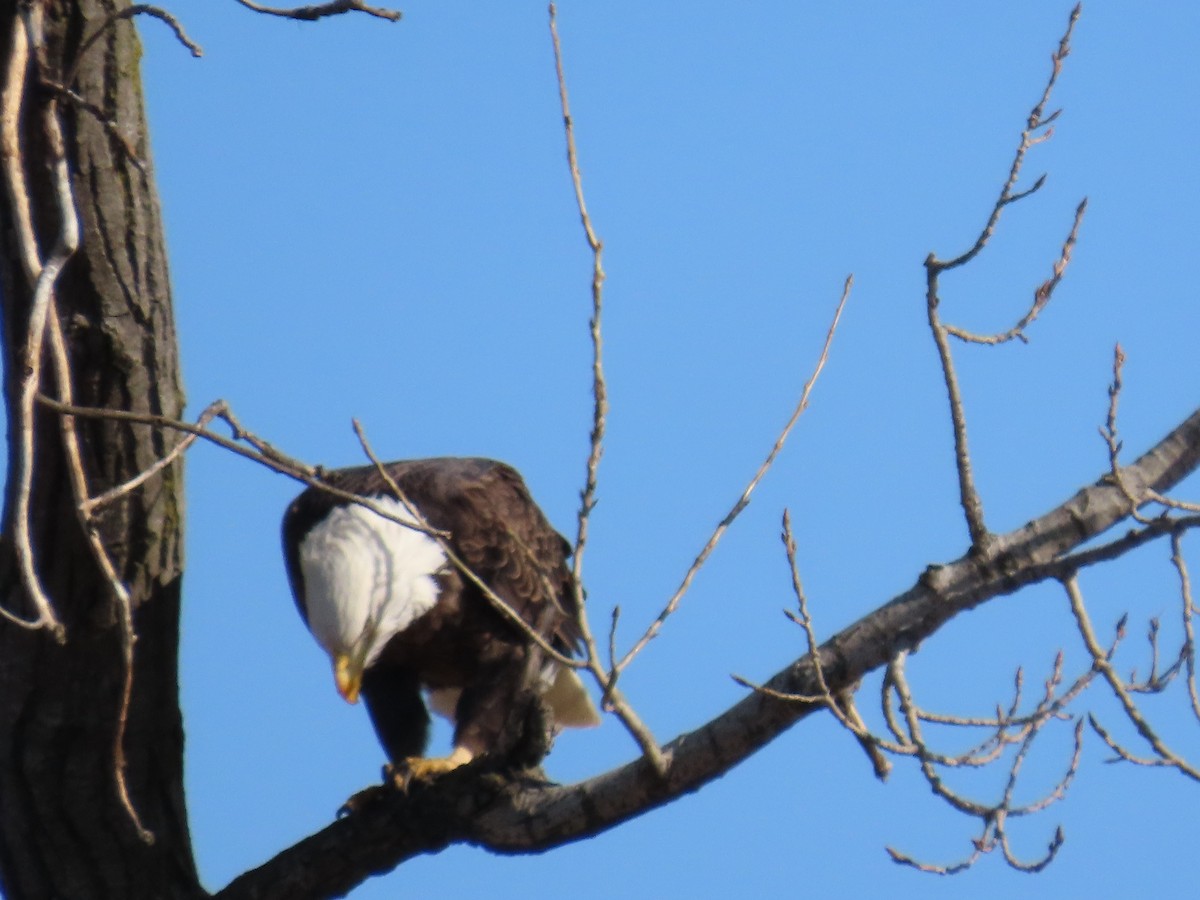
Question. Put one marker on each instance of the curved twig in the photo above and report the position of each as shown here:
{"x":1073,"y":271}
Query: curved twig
{"x":324,"y":10}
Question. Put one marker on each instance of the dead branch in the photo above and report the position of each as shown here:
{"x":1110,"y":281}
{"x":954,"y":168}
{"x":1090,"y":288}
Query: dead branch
{"x":129,"y":12}
{"x":324,"y":10}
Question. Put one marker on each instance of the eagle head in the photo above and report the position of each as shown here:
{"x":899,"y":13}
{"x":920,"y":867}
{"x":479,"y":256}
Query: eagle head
{"x":366,"y":578}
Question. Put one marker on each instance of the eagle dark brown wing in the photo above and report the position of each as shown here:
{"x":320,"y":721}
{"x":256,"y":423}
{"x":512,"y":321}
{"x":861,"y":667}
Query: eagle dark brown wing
{"x":495,"y":528}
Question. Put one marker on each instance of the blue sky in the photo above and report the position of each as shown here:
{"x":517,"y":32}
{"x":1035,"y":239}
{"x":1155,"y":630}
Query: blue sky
{"x":375,"y":220}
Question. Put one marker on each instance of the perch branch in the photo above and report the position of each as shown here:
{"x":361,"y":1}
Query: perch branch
{"x":521,"y":817}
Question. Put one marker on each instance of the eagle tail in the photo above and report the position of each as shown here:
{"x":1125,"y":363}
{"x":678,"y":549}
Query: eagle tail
{"x":570,"y":701}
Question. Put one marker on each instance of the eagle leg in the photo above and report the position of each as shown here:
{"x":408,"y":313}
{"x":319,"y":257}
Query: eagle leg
{"x":419,"y":768}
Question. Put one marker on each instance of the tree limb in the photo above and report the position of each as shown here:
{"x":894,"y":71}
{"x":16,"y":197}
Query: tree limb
{"x":510,"y":815}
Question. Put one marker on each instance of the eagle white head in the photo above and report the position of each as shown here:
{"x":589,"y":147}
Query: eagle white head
{"x":365,"y":579}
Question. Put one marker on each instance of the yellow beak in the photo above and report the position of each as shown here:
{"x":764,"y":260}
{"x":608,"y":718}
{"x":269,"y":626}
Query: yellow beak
{"x":347,"y":673}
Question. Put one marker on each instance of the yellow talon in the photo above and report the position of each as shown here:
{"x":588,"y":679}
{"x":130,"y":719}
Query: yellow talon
{"x":419,"y":768}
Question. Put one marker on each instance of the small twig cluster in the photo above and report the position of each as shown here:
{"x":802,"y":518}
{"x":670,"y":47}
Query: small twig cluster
{"x":1124,"y":689}
{"x":1007,"y":729}
{"x":905,"y":721}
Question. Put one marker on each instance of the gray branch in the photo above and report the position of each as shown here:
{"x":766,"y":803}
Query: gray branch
{"x":510,"y":815}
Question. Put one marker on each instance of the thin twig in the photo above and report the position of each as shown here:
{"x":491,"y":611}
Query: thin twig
{"x":1041,"y":297}
{"x":1189,"y":610}
{"x":90,"y":504}
{"x":1036,"y":122}
{"x":323,"y":10}
{"x":101,"y":118}
{"x":612,"y":698}
{"x":1114,"y":443}
{"x":1102,"y":665}
{"x":1115,"y":549}
{"x":83,"y":507}
{"x":842,"y":706}
{"x":744,"y":500}
{"x":587,"y":496}
{"x":138,"y":9}
{"x":263,"y":453}
{"x":1170,"y":503}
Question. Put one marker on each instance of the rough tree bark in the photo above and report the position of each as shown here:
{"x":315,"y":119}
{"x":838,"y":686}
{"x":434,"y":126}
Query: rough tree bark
{"x":63,"y":829}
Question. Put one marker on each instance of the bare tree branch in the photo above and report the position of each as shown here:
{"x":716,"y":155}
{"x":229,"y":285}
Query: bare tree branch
{"x":1033,"y":134}
{"x":509,"y":817}
{"x":1163,"y":754}
{"x":587,"y":497}
{"x":612,"y":699}
{"x":324,"y":10}
{"x":129,"y":12}
{"x":1036,"y":122}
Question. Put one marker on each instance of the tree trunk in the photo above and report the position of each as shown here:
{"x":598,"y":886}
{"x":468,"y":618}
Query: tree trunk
{"x":64,"y":830}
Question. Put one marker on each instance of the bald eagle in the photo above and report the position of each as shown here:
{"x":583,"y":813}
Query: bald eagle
{"x":403,"y":626}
